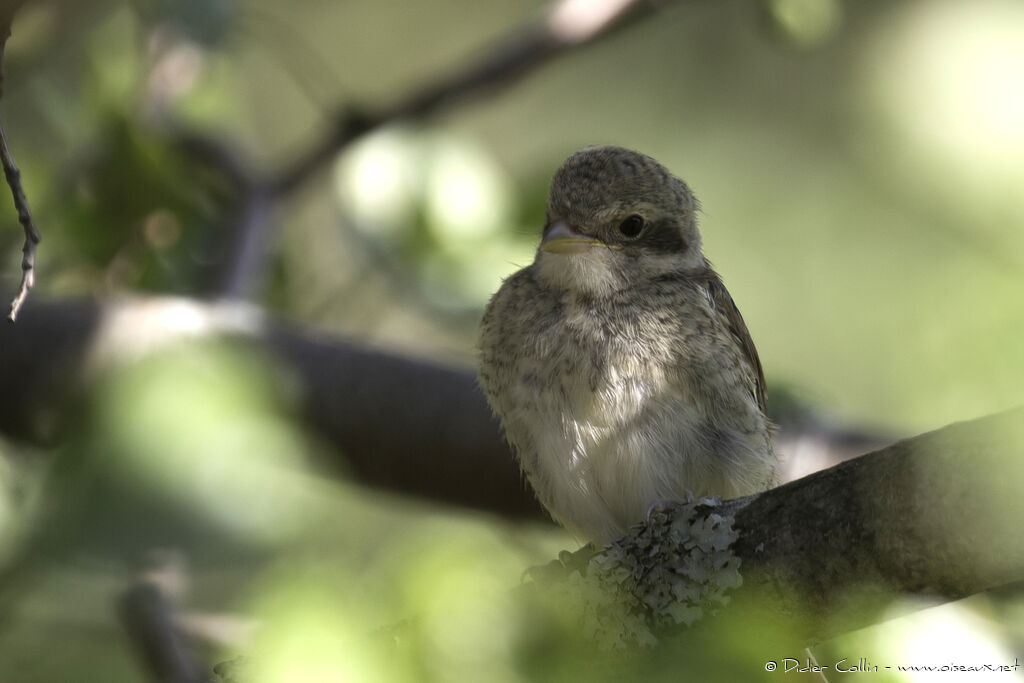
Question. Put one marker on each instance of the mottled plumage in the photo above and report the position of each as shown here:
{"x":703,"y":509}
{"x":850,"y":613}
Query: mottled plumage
{"x":618,"y":363}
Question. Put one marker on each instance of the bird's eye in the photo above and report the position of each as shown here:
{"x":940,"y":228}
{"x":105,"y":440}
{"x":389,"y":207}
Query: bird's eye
{"x":632,"y":226}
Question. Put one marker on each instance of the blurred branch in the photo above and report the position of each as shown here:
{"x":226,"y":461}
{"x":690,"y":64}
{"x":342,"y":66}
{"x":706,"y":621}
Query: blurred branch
{"x":936,"y":515}
{"x":147,"y":617}
{"x":13,"y":175}
{"x":164,"y":635}
{"x":249,"y":221}
{"x":397,"y":423}
{"x":933,"y":515}
{"x":567,"y":24}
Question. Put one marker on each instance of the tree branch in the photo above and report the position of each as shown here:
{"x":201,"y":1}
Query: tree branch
{"x":13,"y":176}
{"x":402,"y":424}
{"x":567,"y":24}
{"x":148,"y":620}
{"x":936,"y":515}
{"x":248,"y":215}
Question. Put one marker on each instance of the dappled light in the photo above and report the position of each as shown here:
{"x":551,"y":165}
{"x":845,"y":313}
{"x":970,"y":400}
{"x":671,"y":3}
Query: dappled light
{"x":240,"y":424}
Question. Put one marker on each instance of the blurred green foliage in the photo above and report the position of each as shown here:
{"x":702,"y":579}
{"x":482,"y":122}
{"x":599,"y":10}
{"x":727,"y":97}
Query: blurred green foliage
{"x":859,"y":165}
{"x":135,"y":218}
{"x":859,"y":191}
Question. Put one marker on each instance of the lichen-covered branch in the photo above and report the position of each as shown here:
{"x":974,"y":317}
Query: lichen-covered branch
{"x":671,"y":571}
{"x":934,"y":516}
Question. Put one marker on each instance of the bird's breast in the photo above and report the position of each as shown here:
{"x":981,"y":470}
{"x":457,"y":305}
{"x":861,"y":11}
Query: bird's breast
{"x":605,"y":368}
{"x":607,"y":402}
{"x":604,"y":417}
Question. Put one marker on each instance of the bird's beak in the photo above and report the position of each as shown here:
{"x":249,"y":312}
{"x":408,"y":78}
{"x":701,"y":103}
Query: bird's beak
{"x":561,"y":239}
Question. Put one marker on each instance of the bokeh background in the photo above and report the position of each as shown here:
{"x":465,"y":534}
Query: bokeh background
{"x":860,"y":166}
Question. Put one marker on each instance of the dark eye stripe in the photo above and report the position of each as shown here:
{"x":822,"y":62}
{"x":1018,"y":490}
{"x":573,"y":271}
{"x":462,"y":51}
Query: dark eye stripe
{"x":663,"y":238}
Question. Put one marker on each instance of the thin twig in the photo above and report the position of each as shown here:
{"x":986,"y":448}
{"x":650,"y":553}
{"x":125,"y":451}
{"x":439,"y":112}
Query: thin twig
{"x":13,"y":175}
{"x":28,"y":261}
{"x":567,"y":24}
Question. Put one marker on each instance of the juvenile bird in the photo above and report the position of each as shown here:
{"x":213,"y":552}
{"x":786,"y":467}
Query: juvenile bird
{"x":618,"y":363}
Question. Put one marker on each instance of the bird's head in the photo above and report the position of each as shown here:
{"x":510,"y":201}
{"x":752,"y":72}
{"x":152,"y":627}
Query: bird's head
{"x":616,"y":217}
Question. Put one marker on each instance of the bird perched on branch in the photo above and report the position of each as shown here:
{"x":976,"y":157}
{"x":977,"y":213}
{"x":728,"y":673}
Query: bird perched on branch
{"x":618,"y":363}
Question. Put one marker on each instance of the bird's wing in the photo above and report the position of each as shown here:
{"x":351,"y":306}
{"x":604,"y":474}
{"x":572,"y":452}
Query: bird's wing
{"x":723,"y":303}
